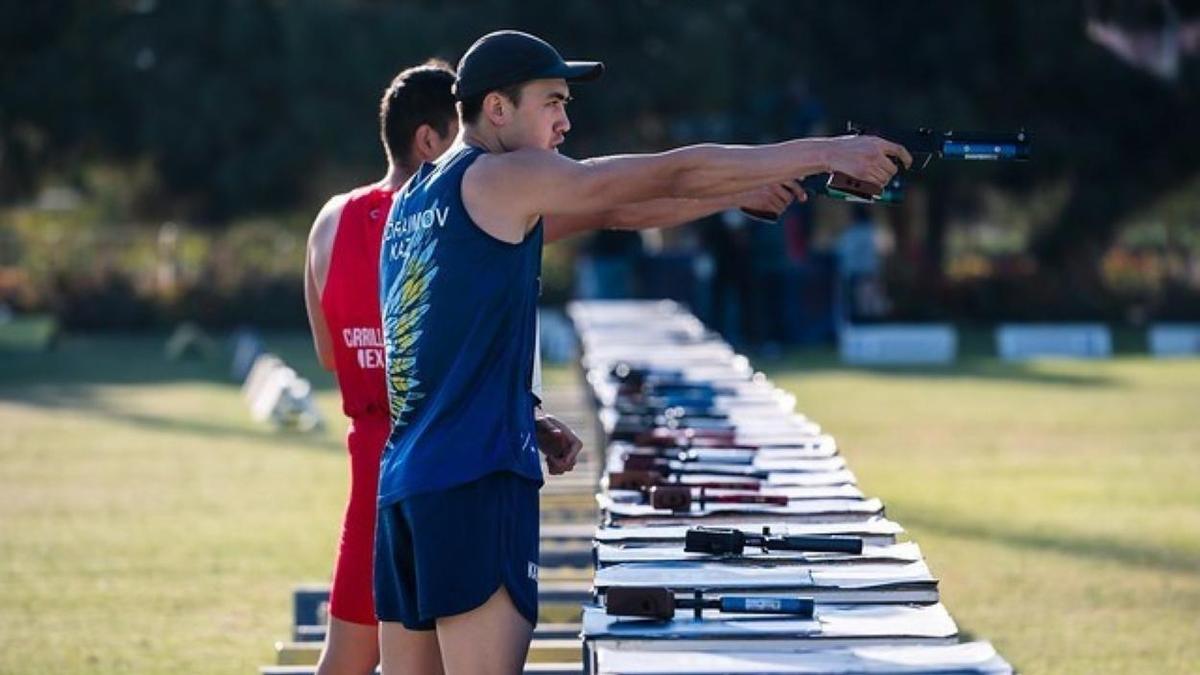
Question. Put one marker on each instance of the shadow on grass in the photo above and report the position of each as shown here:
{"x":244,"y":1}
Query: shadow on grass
{"x":66,"y":377}
{"x":82,"y":397}
{"x":1092,"y":548}
{"x":810,"y":362}
{"x":139,"y":359}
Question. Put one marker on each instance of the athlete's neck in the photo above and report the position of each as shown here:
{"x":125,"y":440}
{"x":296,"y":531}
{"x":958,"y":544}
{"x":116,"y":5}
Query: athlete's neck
{"x":395,"y":177}
{"x":483,"y":138}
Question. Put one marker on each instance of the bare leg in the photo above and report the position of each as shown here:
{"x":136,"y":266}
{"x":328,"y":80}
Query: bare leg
{"x":492,"y":639}
{"x":408,"y":652}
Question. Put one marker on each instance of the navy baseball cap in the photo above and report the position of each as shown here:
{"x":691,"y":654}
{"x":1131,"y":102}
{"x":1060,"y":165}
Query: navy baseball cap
{"x":509,"y":57}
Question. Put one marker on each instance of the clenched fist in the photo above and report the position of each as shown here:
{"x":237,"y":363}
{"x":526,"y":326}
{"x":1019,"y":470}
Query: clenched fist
{"x":867,"y":158}
{"x":770,"y":202}
{"x":558,"y":443}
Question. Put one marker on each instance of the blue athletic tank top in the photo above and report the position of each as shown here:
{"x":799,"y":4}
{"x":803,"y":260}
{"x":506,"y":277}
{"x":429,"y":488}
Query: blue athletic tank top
{"x":459,"y":309}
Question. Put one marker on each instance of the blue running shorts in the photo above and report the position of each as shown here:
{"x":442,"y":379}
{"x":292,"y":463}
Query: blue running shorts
{"x":444,"y":553}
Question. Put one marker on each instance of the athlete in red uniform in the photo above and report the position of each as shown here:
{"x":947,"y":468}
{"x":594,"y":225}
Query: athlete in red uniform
{"x":352,"y":317}
{"x":342,"y":295}
{"x":419,"y":122}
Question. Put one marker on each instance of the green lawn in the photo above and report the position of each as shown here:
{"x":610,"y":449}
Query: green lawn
{"x":1058,"y":502}
{"x":147,"y":525}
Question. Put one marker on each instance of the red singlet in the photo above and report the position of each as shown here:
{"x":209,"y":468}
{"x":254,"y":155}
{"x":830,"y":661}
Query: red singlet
{"x":350,"y":302}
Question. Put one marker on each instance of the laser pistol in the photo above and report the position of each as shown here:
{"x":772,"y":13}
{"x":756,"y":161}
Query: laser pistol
{"x":925,"y":145}
{"x":660,"y":603}
{"x":732,"y":541}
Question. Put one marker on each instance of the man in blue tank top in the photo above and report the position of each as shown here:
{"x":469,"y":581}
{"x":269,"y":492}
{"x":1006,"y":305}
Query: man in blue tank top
{"x":456,"y":541}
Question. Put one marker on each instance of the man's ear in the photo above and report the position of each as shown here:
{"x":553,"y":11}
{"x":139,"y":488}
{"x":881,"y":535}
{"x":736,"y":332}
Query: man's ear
{"x":496,"y":107}
{"x":425,"y":140}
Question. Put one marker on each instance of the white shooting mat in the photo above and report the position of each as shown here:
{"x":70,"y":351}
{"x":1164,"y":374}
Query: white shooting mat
{"x":736,"y":456}
{"x":614,"y":554}
{"x":795,"y":492}
{"x":731,"y":396}
{"x":843,"y":476}
{"x":757,"y":421}
{"x":968,"y":658}
{"x":809,"y":510}
{"x":872,"y":530}
{"x":779,"y":480}
{"x":734,"y":374}
{"x":782,"y":432}
{"x":606,"y":351}
{"x":759,"y":465}
{"x":807,"y":447}
{"x":908,"y":582}
{"x":834,"y":625}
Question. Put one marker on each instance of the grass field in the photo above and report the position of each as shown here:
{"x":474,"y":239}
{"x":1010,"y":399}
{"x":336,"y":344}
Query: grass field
{"x":147,"y":525}
{"x":1059,"y":502}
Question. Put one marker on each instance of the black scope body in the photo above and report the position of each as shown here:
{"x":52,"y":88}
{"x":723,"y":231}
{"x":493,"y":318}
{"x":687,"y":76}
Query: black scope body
{"x":732,"y":541}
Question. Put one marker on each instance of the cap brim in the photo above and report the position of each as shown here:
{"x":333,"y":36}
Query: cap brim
{"x":582,"y":71}
{"x":571,"y":71}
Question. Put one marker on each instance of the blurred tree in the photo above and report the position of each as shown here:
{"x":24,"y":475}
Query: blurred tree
{"x":244,"y":106}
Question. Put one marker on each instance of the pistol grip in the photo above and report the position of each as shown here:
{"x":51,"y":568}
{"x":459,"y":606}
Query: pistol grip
{"x":761,"y":215}
{"x":854,"y":186}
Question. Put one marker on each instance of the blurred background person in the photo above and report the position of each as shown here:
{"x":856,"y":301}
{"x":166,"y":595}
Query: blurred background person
{"x":860,"y":284}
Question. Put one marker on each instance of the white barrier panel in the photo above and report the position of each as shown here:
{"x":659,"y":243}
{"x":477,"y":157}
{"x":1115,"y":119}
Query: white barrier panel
{"x":273,"y":388}
{"x":278,"y":395}
{"x":260,"y":371}
{"x":296,"y":408}
{"x":898,"y":344}
{"x":1016,"y":342}
{"x":1175,"y":339}
{"x":285,"y":399}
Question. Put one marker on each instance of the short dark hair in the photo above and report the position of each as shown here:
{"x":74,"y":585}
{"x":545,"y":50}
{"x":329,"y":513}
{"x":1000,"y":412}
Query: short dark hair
{"x":473,"y":107}
{"x":418,"y":95}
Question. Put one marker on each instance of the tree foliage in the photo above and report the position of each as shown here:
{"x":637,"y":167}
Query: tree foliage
{"x":242,"y":106}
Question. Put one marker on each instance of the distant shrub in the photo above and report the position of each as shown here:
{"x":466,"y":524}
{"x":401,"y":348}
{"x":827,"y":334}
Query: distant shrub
{"x":121,"y":277}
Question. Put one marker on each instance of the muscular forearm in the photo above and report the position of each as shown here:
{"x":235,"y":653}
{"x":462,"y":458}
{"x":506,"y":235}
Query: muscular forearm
{"x":705,"y":171}
{"x":667,"y":212}
{"x":694,"y":172}
{"x":640,"y":216}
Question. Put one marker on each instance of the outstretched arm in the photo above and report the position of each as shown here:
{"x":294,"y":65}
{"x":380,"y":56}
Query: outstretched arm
{"x":506,"y":192}
{"x":665,"y":213}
